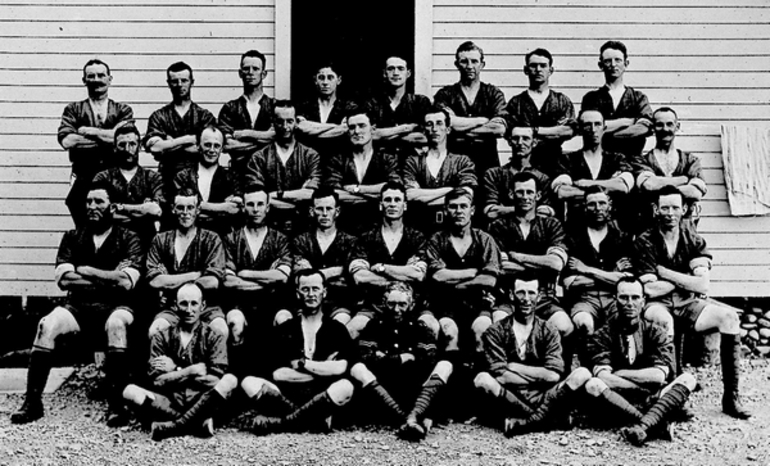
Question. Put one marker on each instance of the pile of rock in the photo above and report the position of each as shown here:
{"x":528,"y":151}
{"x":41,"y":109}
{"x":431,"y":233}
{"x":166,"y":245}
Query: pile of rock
{"x":755,"y":330}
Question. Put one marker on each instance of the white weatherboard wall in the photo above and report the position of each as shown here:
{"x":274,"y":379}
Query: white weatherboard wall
{"x":43,"y":47}
{"x":709,"y":60}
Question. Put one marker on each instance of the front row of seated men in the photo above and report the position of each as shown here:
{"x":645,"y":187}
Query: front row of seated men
{"x":101,"y":263}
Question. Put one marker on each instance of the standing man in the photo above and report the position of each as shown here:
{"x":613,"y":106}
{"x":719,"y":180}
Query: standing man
{"x":257,"y":269}
{"x":429,"y":177}
{"x":593,"y":165}
{"x":631,"y":360}
{"x":390,"y":252}
{"x":674,"y":265}
{"x":398,"y":114}
{"x":548,"y":113}
{"x":498,"y":186}
{"x":626,"y":111}
{"x":330,"y":251}
{"x":399,"y":363}
{"x":87,"y":131}
{"x":288,"y":170}
{"x":188,"y":365}
{"x":311,"y":355}
{"x":138,"y":191}
{"x":183,"y":255}
{"x":321,"y":119}
{"x":360,"y":171}
{"x":220,"y":197}
{"x":665,"y":165}
{"x":477,"y":110}
{"x":248,"y":120}
{"x":97,"y":265}
{"x":172,"y":130}
{"x":463,"y":266}
{"x":523,"y":383}
{"x":532,"y":245}
{"x":600,"y":255}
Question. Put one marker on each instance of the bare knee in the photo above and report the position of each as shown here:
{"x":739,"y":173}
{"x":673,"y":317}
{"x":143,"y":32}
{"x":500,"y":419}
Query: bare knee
{"x":688,"y":380}
{"x":343,"y":318}
{"x":729,"y":322}
{"x":236,"y":321}
{"x":134,"y":394}
{"x":430,"y":322}
{"x":226,"y":384}
{"x":480,"y":325}
{"x":595,"y":386}
{"x":449,"y":328}
{"x":585,"y":322}
{"x":362,"y":373}
{"x":281,"y":317}
{"x":578,"y":378}
{"x":356,"y":325}
{"x":340,"y":392}
{"x":157,"y":326}
{"x":497,"y":316}
{"x":443,"y":369}
{"x":220,"y":326}
{"x":562,"y":322}
{"x":659,"y":315}
{"x":252,"y":385}
{"x":486,"y":382}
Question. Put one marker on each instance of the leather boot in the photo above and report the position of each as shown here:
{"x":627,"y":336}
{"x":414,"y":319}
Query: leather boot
{"x":674,"y":399}
{"x":40,"y":361}
{"x":159,"y":408}
{"x":268,"y":398}
{"x":552,"y":403}
{"x":208,"y":403}
{"x":730,"y":355}
{"x":622,"y":405}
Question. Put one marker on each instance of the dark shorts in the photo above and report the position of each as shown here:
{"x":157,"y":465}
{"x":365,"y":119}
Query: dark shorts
{"x":207,"y":316}
{"x":92,"y":317}
{"x":598,"y":304}
{"x":533,"y":397}
{"x":462,"y":306}
{"x":548,"y":306}
{"x":685,"y":311}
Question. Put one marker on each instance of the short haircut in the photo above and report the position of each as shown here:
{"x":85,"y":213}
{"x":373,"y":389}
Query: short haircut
{"x":393,"y":186}
{"x":540,"y":53}
{"x":663,"y":110}
{"x":614,"y":45}
{"x":254,"y":54}
{"x":586,"y":110}
{"x":669,"y":191}
{"x":188,"y":285}
{"x":188,"y":192}
{"x":105,"y":186}
{"x":355,"y":110}
{"x":469,"y":46}
{"x":402,"y":287}
{"x":128,"y":128}
{"x":284,"y":103}
{"x":438,"y":109}
{"x":457,"y":193}
{"x":395,"y":55}
{"x":96,"y":61}
{"x":509,"y":131}
{"x":253,"y":188}
{"x":321,"y":64}
{"x":323,"y":192}
{"x":308,"y":273}
{"x":178,"y":67}
{"x":629,"y":279}
{"x":523,"y":177}
{"x":595,"y":189}
{"x":209,"y":127}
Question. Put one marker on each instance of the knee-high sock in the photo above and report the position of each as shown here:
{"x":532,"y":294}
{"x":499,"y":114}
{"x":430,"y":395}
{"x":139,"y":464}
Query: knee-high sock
{"x":40,"y":362}
{"x":429,"y":390}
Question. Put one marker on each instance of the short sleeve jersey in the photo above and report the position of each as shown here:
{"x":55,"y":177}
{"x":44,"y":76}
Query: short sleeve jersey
{"x":301,"y":170}
{"x":543,"y":347}
{"x":633,"y":104}
{"x":614,"y":247}
{"x":483,"y":254}
{"x":333,"y":342}
{"x":382,"y":168}
{"x":234,"y":116}
{"x":498,"y":185}
{"x":166,"y":122}
{"x":456,"y":171}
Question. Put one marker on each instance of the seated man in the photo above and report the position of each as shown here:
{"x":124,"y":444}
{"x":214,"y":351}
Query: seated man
{"x":674,"y":264}
{"x":248,"y":120}
{"x":220,"y":199}
{"x":498,"y":187}
{"x":525,"y":366}
{"x":258,"y":264}
{"x":98,"y":265}
{"x":288,"y":170}
{"x":591,"y":166}
{"x":399,"y":362}
{"x":397,"y":113}
{"x":320,"y":120}
{"x":532,"y":244}
{"x":390,"y":252}
{"x":329,"y":250}
{"x":463,"y":266}
{"x":188,"y":365}
{"x":183,"y":255}
{"x":600,"y":254}
{"x":543,"y":110}
{"x":359,"y":172}
{"x":138,"y":191}
{"x":428,"y":178}
{"x":632,"y":359}
{"x":665,"y":165}
{"x":311,"y":355}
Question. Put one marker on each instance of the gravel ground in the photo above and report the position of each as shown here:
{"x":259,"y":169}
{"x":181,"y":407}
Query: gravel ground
{"x":73,"y":433}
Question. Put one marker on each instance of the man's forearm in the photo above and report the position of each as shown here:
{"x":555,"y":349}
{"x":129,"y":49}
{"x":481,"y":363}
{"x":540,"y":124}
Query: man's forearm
{"x":555,"y":133}
{"x":533,"y":373}
{"x":647,"y":376}
{"x":326,"y":368}
{"x":173,"y":281}
{"x":237,"y":283}
{"x":403,"y":273}
{"x":634,"y":131}
{"x":333,"y":272}
{"x":693,"y":283}
{"x":265,"y":277}
{"x":148,"y":209}
{"x":454,"y":276}
{"x":426,"y":195}
{"x":74,"y":140}
{"x":546,"y":261}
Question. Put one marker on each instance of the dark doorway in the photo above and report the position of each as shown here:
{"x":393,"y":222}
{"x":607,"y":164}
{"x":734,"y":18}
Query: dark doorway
{"x":357,"y":35}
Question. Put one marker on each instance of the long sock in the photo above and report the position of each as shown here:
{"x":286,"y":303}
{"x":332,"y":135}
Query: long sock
{"x":40,"y":362}
{"x":673,"y":399}
{"x":268,"y":396}
{"x":617,"y":400}
{"x":394,"y":410}
{"x":319,"y":406}
{"x":116,"y":369}
{"x":730,"y":356}
{"x":515,"y":402}
{"x":151,"y":410}
{"x":429,"y":390}
{"x":206,"y":405}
